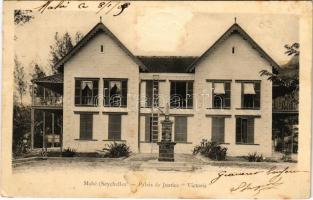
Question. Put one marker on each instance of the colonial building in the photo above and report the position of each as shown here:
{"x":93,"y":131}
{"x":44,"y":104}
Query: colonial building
{"x":104,"y":93}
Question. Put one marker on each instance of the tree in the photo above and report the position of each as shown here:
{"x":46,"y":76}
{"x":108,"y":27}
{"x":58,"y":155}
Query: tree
{"x":62,"y":45}
{"x":22,"y":16}
{"x":38,"y":72}
{"x":287,"y":77}
{"x":19,"y":79}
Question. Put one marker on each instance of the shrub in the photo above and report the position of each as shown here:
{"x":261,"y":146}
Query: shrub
{"x":211,"y":150}
{"x":116,"y":150}
{"x":254,"y":157}
{"x":22,"y":147}
{"x":68,"y":152}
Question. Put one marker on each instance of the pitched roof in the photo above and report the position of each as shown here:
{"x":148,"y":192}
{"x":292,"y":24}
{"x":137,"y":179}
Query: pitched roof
{"x":56,"y":78}
{"x":167,"y":64}
{"x":100,"y":27}
{"x":235,"y":28}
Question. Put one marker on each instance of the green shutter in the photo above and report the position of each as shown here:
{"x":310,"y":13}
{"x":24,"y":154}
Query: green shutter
{"x":250,"y":130}
{"x":147,"y":129}
{"x":227,"y":97}
{"x":149,"y":93}
{"x":257,"y":88}
{"x":86,"y":121}
{"x":218,"y":129}
{"x":106,"y":92}
{"x":180,"y":129}
{"x":77,"y":92}
{"x":238,"y":130}
{"x":115,"y":127}
{"x":95,"y":92}
{"x":189,"y":94}
{"x":124,"y":93}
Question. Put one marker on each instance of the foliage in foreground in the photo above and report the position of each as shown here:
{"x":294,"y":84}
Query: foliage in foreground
{"x":116,"y":150}
{"x":211,"y":150}
{"x":254,"y":157}
{"x":68,"y":152}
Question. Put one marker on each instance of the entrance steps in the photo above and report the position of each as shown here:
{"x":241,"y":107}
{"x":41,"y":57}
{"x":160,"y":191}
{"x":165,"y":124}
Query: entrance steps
{"x":169,"y":166}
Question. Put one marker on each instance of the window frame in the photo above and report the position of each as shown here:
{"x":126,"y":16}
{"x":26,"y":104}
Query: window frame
{"x":189,"y":104}
{"x":175,"y":130}
{"x":81,"y":79}
{"x":247,"y":118}
{"x":119,"y":138}
{"x":106,"y":103}
{"x":257,"y":95}
{"x":212,"y":128}
{"x":80,"y":126}
{"x":224,"y":96}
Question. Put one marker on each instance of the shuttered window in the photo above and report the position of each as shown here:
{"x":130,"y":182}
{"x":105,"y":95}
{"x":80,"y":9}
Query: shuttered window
{"x":148,"y":127}
{"x":245,"y":130}
{"x":86,"y":92}
{"x":149,"y":90}
{"x":181,"y":95}
{"x":86,"y":121}
{"x":251,"y":100}
{"x":218,"y":129}
{"x":115,"y":93}
{"x":180,"y":129}
{"x":222,"y":100}
{"x":114,"y":127}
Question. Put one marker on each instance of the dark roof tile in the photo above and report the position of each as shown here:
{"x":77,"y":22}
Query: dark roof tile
{"x":167,"y":64}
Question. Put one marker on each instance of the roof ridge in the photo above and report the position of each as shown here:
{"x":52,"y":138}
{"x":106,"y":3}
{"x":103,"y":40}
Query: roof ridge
{"x":226,"y":35}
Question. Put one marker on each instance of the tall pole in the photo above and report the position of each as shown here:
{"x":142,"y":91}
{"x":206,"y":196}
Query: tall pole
{"x":52,"y":116}
{"x":32,"y":128}
{"x":44,"y":132}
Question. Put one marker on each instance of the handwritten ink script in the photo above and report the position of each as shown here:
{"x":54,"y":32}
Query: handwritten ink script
{"x":275,"y":179}
{"x":268,"y":179}
{"x":114,"y":7}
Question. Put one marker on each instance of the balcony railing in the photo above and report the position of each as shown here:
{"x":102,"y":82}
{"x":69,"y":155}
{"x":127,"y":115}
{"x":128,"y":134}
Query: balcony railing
{"x":282,"y":104}
{"x":48,"y":101}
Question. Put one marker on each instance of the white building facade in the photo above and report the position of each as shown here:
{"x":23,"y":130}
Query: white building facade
{"x":110,"y":95}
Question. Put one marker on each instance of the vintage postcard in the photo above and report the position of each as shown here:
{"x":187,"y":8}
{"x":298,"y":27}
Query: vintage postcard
{"x":156,"y":99}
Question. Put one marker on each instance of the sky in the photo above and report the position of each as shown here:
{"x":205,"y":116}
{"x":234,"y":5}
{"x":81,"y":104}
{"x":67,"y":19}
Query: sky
{"x":150,"y":28}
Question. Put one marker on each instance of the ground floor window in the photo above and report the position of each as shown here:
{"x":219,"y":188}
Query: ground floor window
{"x":244,"y":130}
{"x":114,"y":128}
{"x":180,"y":129}
{"x":86,"y":122}
{"x":151,"y":129}
{"x":218,"y":129}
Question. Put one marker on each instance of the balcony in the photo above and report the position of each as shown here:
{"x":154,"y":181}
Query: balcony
{"x":47,"y":92}
{"x":48,"y":101}
{"x":284,"y":105}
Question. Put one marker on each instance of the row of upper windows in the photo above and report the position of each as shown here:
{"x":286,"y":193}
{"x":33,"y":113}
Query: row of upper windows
{"x":181,"y":93}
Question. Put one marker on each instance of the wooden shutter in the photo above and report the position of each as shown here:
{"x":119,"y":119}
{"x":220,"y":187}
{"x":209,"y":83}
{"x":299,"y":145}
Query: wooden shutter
{"x":106,"y":92}
{"x":95,"y":92}
{"x":227,"y":97}
{"x":250,"y":130}
{"x":77,"y":92}
{"x":257,"y":89}
{"x":218,"y":129}
{"x":86,"y":121}
{"x":149,"y":93}
{"x":115,"y":127}
{"x":189,"y":94}
{"x":181,"y":129}
{"x":238,"y":130}
{"x":124,"y":93}
{"x":148,"y":129}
